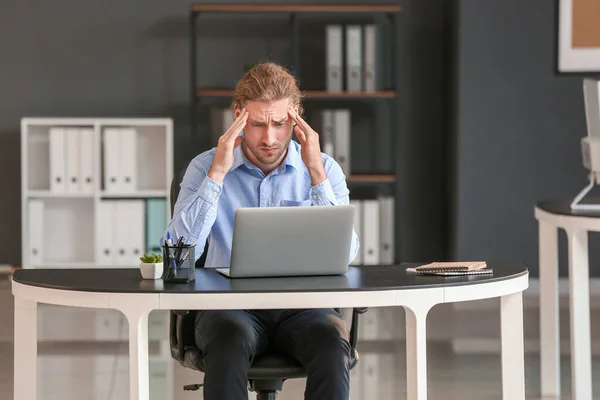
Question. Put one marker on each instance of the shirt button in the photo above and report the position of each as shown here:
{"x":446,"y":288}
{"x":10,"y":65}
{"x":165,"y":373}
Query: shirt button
{"x":314,"y":196}
{"x":215,"y":194}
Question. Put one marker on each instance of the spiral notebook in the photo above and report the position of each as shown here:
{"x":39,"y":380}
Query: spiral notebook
{"x":452,"y":268}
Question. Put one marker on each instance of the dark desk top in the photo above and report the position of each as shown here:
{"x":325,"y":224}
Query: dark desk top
{"x":563,"y":207}
{"x":363,"y":278}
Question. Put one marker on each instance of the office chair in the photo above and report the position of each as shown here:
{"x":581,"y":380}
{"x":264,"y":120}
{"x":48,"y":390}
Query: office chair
{"x":268,"y":371}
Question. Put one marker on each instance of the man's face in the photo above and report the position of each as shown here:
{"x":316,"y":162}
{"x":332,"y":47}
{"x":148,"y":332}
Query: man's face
{"x":267,"y":133}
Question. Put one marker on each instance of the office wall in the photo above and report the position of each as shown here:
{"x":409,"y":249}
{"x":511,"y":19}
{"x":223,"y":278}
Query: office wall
{"x":77,"y":59}
{"x":517,"y":130}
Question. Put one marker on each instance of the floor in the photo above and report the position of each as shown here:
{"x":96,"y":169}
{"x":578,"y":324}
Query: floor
{"x":98,"y":370}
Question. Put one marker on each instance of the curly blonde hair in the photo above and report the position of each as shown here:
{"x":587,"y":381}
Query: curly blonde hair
{"x":267,"y":81}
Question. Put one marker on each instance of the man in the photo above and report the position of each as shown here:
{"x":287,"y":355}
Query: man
{"x":267,"y":170}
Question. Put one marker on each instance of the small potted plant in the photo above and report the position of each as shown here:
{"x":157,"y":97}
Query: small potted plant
{"x":151,"y":266}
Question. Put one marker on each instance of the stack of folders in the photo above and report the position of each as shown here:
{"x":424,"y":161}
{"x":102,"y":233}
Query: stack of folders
{"x":453,"y":268}
{"x":355,"y":57}
{"x":334,"y":128}
{"x":374,"y":226}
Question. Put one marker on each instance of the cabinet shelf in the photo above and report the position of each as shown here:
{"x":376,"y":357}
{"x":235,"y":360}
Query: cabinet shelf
{"x":300,"y":8}
{"x":47,"y":194}
{"x":310,"y":94}
{"x":140,"y":194}
{"x":372,"y":178}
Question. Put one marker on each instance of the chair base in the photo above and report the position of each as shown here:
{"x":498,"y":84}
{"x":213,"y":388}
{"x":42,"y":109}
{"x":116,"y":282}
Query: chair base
{"x":266,"y":389}
{"x":266,"y":396}
{"x":193,"y":387}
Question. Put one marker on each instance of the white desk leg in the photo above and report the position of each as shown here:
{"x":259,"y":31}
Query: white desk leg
{"x":513,"y":355}
{"x":139,"y":374}
{"x":549,"y":311}
{"x":25,"y":351}
{"x":579,"y":295}
{"x":416,"y":352}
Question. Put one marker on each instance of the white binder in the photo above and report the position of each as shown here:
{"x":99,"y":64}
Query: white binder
{"x":73,"y":160}
{"x":386,"y":204}
{"x":111,"y":160}
{"x":36,"y":231}
{"x":354,"y":75}
{"x":373,"y":58}
{"x":128,"y":160}
{"x":327,"y":132}
{"x":358,"y":211}
{"x":57,"y":160}
{"x":334,"y":58}
{"x":371,"y":231}
{"x":341,"y":127}
{"x":87,"y":164}
{"x":105,"y":232}
{"x":129,"y":239}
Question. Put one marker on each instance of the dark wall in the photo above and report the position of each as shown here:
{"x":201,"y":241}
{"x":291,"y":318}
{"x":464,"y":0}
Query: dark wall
{"x":131,"y":59}
{"x":517,"y":128}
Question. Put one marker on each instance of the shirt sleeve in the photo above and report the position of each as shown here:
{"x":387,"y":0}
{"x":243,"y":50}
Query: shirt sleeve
{"x":195,"y":210}
{"x":334,"y":191}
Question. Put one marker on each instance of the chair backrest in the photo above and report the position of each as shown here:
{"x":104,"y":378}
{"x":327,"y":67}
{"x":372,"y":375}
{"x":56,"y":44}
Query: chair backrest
{"x":174,"y":193}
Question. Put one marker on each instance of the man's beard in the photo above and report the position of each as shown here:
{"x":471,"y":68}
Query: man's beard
{"x":269,"y":159}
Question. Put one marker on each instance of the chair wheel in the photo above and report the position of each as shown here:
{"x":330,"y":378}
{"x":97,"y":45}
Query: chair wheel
{"x":192,"y":387}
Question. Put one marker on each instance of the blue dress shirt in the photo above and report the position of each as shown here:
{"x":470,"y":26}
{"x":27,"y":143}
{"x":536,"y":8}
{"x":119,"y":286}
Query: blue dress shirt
{"x":205,"y":208}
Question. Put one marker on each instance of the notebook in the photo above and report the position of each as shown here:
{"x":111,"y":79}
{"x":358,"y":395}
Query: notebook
{"x":453,"y":268}
{"x":482,"y":271}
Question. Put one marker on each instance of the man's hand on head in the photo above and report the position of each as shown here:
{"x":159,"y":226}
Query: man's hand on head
{"x":311,"y":148}
{"x":231,"y":139}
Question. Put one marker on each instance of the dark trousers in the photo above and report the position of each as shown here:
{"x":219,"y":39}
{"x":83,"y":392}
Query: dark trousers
{"x":229,"y":341}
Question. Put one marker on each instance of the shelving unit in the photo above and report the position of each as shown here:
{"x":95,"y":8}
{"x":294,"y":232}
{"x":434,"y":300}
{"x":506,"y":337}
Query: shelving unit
{"x":66,"y":181}
{"x":387,"y":15}
{"x":67,"y":166}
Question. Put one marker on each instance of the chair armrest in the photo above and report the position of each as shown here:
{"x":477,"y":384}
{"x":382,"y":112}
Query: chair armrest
{"x":176,"y":331}
{"x":354,"y":325}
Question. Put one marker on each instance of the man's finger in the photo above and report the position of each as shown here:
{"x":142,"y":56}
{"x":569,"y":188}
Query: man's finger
{"x":237,"y":125}
{"x":298,"y":119}
{"x":300,"y":134}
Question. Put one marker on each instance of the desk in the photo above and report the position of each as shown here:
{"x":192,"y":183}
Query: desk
{"x":551,"y":216}
{"x":365,"y":286}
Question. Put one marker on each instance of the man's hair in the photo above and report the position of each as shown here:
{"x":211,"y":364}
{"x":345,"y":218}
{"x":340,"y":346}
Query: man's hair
{"x":267,"y":81}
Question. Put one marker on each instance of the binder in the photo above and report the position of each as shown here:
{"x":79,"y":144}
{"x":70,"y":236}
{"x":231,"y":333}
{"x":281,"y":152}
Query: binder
{"x":36,"y":231}
{"x":322,"y":121}
{"x":358,"y":211}
{"x":72,"y":160}
{"x":128,"y":160}
{"x":341,"y":127}
{"x":374,"y":71}
{"x":371,"y":231}
{"x":111,"y":160}
{"x":105,"y":231}
{"x":57,"y":160}
{"x":129,"y":238}
{"x":386,"y":204}
{"x":354,"y":75}
{"x":334,"y":58}
{"x":156,"y":223}
{"x":88,"y":160}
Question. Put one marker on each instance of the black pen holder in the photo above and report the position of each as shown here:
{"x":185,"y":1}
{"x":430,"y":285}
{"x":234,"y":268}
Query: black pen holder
{"x":179,"y":263}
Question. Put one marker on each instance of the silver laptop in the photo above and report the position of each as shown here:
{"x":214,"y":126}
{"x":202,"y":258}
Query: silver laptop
{"x":291,"y":241}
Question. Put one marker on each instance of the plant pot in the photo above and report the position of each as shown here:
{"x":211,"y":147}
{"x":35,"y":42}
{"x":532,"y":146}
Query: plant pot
{"x":151,"y":270}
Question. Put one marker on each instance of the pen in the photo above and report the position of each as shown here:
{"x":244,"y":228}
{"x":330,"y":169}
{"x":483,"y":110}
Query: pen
{"x":172,"y":262}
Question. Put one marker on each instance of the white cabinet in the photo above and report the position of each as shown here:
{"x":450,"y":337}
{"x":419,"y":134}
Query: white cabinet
{"x":95,"y":194}
{"x":86,"y":189}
